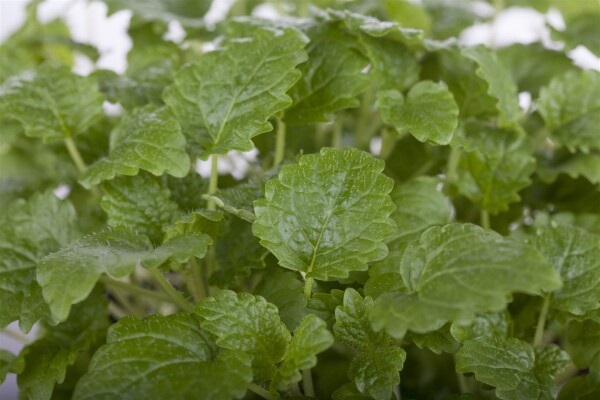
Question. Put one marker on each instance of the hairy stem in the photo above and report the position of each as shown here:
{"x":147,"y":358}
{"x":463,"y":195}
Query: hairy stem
{"x":253,"y":387}
{"x":279,"y":142}
{"x":199,"y":285}
{"x":134,"y":289}
{"x":171,"y":291}
{"x":485,"y":219}
{"x":541,"y":324}
{"x":308,"y":283}
{"x":213,"y":183}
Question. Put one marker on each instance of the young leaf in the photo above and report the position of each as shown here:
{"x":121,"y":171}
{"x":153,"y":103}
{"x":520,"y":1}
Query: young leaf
{"x":575,"y":255}
{"x":331,"y":78}
{"x":46,"y":360}
{"x":28,"y":232}
{"x":245,"y":323}
{"x":569,"y":105}
{"x":54,"y":105}
{"x":328,"y":214}
{"x":429,"y":112}
{"x":375,"y":368}
{"x":227,"y":97}
{"x":164,"y":357}
{"x":310,"y":338}
{"x":445,"y":270}
{"x":149,"y":139}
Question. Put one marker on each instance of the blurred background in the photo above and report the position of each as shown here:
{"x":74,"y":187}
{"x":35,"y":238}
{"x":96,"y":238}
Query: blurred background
{"x":102,"y":42}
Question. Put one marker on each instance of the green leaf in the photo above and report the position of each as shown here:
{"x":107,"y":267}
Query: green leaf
{"x":500,"y":83}
{"x":440,"y":341}
{"x":512,"y":366}
{"x":246,"y":323}
{"x":496,"y":166}
{"x":580,"y":388}
{"x":349,"y":392}
{"x":149,"y":139}
{"x":575,"y":255}
{"x":569,"y":105}
{"x":327,"y":215}
{"x":46,"y":360}
{"x":284,"y":289}
{"x":9,"y":363}
{"x":331,"y":79}
{"x":187,"y":192}
{"x":54,"y":105}
{"x":429,"y":112}
{"x":211,"y":223}
{"x":164,"y":357}
{"x":584,"y":345}
{"x":227,"y":97}
{"x":323,"y":305}
{"x":579,"y":164}
{"x":375,"y":367}
{"x":139,"y":203}
{"x":488,"y":324}
{"x":28,"y":231}
{"x":190,"y":13}
{"x":445,"y":270}
{"x":310,"y":338}
{"x":582,"y":30}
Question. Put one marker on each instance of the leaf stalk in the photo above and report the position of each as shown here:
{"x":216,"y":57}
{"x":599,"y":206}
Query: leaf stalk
{"x":171,"y":291}
{"x":279,"y":142}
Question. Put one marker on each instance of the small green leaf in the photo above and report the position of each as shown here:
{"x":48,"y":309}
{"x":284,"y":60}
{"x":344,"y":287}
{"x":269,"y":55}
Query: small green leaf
{"x":149,"y":139}
{"x":488,"y":324}
{"x":327,"y":215}
{"x":569,"y":105}
{"x":429,"y":112}
{"x":246,"y":323}
{"x":54,"y":105}
{"x":331,"y":79}
{"x":310,"y":338}
{"x":164,"y":358}
{"x":284,"y":289}
{"x":375,"y":368}
{"x":227,"y":97}
{"x":323,"y":305}
{"x":445,"y":270}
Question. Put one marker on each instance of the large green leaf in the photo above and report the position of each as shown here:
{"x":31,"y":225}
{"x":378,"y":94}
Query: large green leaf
{"x":375,"y":368}
{"x":429,"y":112}
{"x":445,"y":270}
{"x":512,"y":366}
{"x":575,"y":255}
{"x":331,"y":78}
{"x":227,"y":97}
{"x":149,"y":139}
{"x":46,"y":360}
{"x":570,"y":105}
{"x":54,"y":105}
{"x":500,"y":83}
{"x":245,"y":323}
{"x":29,"y":231}
{"x":164,"y":358}
{"x":328,"y":214}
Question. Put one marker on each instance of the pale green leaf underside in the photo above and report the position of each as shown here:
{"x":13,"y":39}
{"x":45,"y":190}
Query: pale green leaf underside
{"x":429,"y":111}
{"x":375,"y":368}
{"x":149,"y":139}
{"x":227,"y":97}
{"x":29,"y":231}
{"x":246,"y":323}
{"x":163,"y":358}
{"x":328,"y":214}
{"x":455,"y":271}
{"x":54,"y":105}
{"x":570,"y":105}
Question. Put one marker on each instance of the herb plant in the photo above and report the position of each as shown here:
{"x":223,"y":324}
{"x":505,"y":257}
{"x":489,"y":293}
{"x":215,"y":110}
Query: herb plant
{"x":461,"y":260}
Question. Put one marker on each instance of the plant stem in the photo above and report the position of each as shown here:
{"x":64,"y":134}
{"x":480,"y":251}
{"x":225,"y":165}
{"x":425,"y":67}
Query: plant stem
{"x":199,"y":291}
{"x":362,"y":137}
{"x":211,"y":266}
{"x":134,"y":289}
{"x":462,"y":383}
{"x":259,"y":391}
{"x":307,"y":383}
{"x":75,"y":154}
{"x":121,"y":297}
{"x":213,"y":183}
{"x":451,"y":167}
{"x":279,"y":142}
{"x":171,"y":291}
{"x":336,"y":138}
{"x":18,"y":336}
{"x":539,"y":330}
{"x":308,"y":287}
{"x":485,"y":219}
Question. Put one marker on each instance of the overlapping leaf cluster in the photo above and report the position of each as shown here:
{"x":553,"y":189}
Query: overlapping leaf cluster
{"x":461,"y":259}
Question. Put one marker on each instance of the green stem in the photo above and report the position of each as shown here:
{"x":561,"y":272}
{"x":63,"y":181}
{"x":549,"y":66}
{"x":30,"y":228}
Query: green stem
{"x":199,"y":289}
{"x":259,"y":391}
{"x":121,"y":296}
{"x":452,"y":166}
{"x":485,"y":219}
{"x":336,"y":139}
{"x":362,"y":137}
{"x":541,"y":324}
{"x":18,"y":336}
{"x":213,"y":183}
{"x":308,"y":283}
{"x":211,"y":265}
{"x":279,"y":142}
{"x":75,"y":154}
{"x":134,"y":289}
{"x":462,"y":383}
{"x":171,"y":291}
{"x":307,"y":383}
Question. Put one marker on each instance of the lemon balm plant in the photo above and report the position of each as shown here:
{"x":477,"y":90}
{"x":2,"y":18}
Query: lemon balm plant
{"x":461,"y":261}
